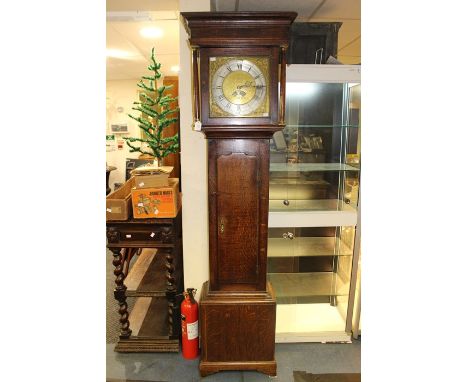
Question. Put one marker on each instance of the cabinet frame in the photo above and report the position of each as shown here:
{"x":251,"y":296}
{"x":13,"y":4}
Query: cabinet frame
{"x":348,"y":216}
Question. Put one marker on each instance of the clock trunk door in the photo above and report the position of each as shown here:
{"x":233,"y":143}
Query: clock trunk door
{"x":235,"y":207}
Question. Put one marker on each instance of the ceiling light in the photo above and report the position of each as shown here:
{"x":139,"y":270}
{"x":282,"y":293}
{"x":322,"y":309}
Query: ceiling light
{"x":175,"y":68}
{"x":151,"y":32}
{"x":117,"y":53}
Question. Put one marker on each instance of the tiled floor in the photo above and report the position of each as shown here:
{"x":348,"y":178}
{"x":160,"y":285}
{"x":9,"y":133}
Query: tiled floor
{"x":166,"y":367}
{"x":311,"y":357}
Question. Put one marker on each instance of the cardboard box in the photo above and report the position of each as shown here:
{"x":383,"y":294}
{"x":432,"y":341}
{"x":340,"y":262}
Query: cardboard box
{"x":119,"y":202}
{"x":155,"y":181}
{"x":161,"y":202}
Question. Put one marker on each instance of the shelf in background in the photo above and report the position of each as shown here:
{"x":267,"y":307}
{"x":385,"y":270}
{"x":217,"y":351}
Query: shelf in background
{"x":147,"y":276}
{"x":298,"y":181}
{"x":307,"y":284}
{"x":298,"y":188}
{"x":311,"y":213}
{"x":149,"y":318}
{"x":309,"y":323}
{"x":322,"y":126}
{"x":307,"y":246}
{"x":277,"y":205}
{"x":299,"y":167}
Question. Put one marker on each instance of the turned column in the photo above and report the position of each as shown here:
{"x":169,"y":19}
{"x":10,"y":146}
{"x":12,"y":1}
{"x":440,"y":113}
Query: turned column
{"x":119,"y":292}
{"x":170,"y":290}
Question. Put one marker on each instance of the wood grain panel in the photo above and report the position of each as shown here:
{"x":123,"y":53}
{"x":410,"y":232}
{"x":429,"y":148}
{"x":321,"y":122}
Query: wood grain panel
{"x":260,"y":323}
{"x":221,"y":337}
{"x":138,"y":270}
{"x":238,"y":198}
{"x":238,"y":205}
{"x":238,"y":332}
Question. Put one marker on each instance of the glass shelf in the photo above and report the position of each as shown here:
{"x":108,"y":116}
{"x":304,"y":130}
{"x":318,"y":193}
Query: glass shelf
{"x":296,"y":181}
{"x":307,"y":246}
{"x":308,"y":284}
{"x":300,"y":167}
{"x":310,"y":205}
{"x":323,"y":126}
{"x":298,"y":218}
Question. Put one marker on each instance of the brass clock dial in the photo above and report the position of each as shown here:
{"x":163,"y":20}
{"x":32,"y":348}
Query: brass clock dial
{"x":239,"y":87}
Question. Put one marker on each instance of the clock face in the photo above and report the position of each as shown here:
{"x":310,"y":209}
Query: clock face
{"x":239,"y":87}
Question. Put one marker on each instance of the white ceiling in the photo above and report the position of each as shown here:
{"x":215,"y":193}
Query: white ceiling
{"x":125,"y":35}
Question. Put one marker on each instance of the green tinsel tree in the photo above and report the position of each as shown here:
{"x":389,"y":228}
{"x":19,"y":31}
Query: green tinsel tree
{"x":155,"y":116}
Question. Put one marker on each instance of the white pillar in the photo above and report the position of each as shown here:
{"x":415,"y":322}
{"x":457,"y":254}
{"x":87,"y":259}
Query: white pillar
{"x":193,"y":167}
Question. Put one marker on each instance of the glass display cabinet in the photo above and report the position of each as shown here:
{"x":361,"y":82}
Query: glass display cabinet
{"x":314,"y":200}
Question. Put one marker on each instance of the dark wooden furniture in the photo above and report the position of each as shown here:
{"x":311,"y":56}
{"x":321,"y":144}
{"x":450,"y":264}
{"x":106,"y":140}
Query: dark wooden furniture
{"x":156,"y":279}
{"x":237,"y":305}
{"x":313,"y":43}
{"x":108,"y":171}
{"x":174,"y":158}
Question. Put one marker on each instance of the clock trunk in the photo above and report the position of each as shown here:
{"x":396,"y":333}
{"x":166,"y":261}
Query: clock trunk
{"x":238,"y":213}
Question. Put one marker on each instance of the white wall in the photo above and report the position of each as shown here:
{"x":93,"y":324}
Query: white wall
{"x":120,"y":93}
{"x":194,"y":168}
{"x":193,"y":156}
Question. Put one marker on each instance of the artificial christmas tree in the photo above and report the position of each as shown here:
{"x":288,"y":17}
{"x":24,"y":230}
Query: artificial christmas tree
{"x":155,"y":117}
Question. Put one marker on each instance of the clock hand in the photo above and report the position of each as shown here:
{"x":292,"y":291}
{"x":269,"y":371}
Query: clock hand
{"x":249,"y":86}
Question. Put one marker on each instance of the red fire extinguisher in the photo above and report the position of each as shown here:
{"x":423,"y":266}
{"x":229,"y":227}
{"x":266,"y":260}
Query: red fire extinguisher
{"x":189,"y":317}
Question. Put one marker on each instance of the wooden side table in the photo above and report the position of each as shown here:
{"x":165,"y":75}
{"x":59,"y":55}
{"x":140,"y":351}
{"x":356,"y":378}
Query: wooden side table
{"x":156,"y":279}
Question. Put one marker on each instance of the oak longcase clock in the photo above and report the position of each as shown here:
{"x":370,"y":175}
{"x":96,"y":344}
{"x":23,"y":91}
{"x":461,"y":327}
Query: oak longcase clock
{"x":239,"y":65}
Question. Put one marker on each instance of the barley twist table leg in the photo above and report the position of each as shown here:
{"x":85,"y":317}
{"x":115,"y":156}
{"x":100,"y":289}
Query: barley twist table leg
{"x":119,"y":292}
{"x":170,"y":290}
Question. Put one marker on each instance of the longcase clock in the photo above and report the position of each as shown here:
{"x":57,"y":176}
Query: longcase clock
{"x":239,"y":65}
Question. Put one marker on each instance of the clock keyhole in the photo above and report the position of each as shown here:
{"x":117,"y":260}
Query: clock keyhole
{"x":221,"y":225}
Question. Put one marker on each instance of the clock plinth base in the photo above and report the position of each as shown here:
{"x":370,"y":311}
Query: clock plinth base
{"x":237,"y":331}
{"x":265,"y":367}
